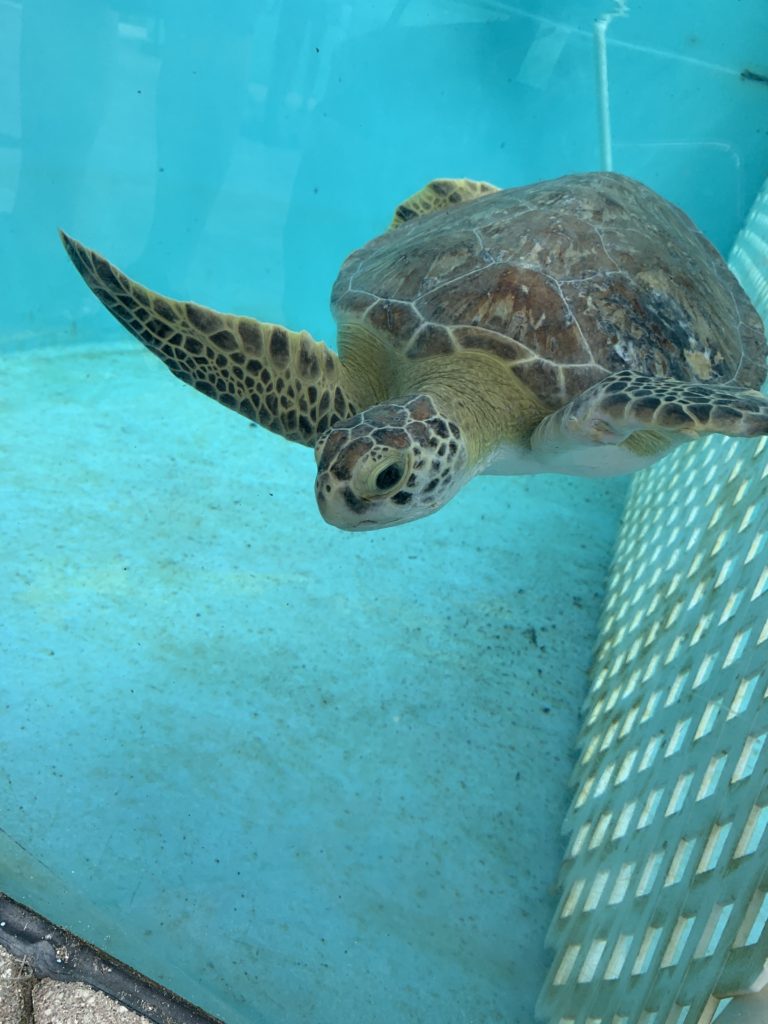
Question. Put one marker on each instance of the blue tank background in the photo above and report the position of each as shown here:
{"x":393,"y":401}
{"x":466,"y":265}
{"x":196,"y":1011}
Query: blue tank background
{"x":251,"y":147}
{"x":295,"y":775}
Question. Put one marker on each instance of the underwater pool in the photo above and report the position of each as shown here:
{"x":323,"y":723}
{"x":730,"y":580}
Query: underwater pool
{"x":295,"y":774}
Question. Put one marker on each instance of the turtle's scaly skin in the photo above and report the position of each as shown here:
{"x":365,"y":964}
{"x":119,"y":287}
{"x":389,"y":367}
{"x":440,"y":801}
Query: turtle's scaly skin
{"x":429,"y":457}
{"x":283,"y":380}
{"x":565,"y":282}
{"x":650,"y":414}
{"x":439,"y":194}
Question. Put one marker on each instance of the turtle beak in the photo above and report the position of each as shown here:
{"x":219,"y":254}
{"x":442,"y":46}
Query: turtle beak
{"x":339,"y":505}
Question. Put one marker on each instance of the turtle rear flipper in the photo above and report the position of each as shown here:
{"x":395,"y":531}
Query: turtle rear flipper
{"x":437,"y":195}
{"x":283,"y":380}
{"x":648,"y":415}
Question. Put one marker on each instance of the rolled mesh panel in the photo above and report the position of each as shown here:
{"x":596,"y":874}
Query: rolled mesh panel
{"x":665,"y":878}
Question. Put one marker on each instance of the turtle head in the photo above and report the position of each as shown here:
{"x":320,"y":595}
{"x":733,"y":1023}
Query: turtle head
{"x":394,"y":462}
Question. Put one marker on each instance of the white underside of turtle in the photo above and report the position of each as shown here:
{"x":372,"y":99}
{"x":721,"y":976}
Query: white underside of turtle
{"x":581,"y":326}
{"x":592,"y":460}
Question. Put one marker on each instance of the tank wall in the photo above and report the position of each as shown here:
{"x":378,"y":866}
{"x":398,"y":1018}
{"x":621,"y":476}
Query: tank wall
{"x":237,"y":152}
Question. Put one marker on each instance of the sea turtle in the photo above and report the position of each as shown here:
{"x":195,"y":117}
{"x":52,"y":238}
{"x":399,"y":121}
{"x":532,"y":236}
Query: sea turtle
{"x":581,"y":325}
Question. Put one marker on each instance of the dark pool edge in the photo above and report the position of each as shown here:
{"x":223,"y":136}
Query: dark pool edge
{"x":52,"y":952}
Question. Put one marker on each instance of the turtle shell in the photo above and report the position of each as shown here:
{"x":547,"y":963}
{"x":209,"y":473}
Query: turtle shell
{"x":566,"y":281}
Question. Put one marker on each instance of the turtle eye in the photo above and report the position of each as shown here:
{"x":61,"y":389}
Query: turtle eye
{"x":389,"y":477}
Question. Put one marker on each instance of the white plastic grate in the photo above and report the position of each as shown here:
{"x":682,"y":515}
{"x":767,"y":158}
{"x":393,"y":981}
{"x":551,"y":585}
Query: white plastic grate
{"x":665,"y":879}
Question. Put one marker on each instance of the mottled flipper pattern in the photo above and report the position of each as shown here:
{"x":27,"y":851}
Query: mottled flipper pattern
{"x":282,"y":380}
{"x":627,"y":406}
{"x":438,"y":194}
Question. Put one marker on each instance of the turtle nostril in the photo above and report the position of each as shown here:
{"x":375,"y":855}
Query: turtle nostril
{"x":390,"y":476}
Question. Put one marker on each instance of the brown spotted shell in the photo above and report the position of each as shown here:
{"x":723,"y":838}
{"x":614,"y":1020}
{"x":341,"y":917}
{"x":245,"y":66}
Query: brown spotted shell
{"x":566,"y":280}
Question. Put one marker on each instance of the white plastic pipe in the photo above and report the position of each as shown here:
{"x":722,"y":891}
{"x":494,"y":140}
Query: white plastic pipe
{"x":620,"y":10}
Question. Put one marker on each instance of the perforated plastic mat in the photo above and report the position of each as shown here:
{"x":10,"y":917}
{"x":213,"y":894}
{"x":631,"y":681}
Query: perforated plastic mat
{"x":665,"y":879}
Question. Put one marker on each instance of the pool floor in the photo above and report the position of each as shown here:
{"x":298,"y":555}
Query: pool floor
{"x":292,"y":774}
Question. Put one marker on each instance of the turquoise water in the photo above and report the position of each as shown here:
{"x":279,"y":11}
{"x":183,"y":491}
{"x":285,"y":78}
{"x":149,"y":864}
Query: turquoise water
{"x":292,"y":774}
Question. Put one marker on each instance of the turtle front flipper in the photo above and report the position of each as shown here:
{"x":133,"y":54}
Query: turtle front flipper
{"x":437,"y":195}
{"x":283,"y":380}
{"x":649,"y":415}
